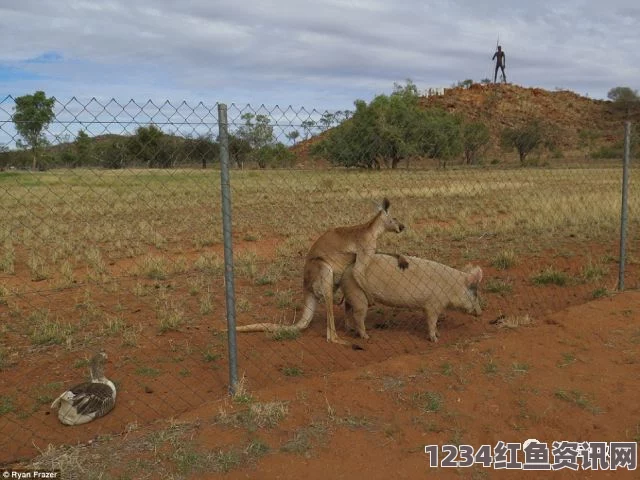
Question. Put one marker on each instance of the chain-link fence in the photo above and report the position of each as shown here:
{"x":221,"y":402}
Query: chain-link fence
{"x":112,"y":238}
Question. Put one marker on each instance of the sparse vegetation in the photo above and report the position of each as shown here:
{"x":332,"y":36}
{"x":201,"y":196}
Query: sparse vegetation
{"x":567,"y":359}
{"x":147,"y":371}
{"x":209,"y":356}
{"x":578,"y":398}
{"x":475,"y":139}
{"x":514,"y":321}
{"x":154,"y":268}
{"x":4,"y":295}
{"x":625,"y":99}
{"x":593,"y":272}
{"x":520,"y":367}
{"x":504,"y":260}
{"x":305,"y":438}
{"x":258,"y":415}
{"x":550,"y":276}
{"x":526,"y":138}
{"x":428,"y":402}
{"x":8,"y":257}
{"x":170,"y":317}
{"x":6,"y":405}
{"x":446,"y":369}
{"x":496,"y":285}
{"x":45,"y":331}
{"x":284,"y":334}
{"x":599,"y":293}
{"x":390,"y":129}
{"x":292,"y":371}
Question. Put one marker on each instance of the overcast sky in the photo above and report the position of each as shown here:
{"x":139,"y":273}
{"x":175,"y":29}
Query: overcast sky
{"x":318,"y":54}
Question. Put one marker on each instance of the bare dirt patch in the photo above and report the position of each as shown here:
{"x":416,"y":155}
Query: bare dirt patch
{"x":566,"y":376}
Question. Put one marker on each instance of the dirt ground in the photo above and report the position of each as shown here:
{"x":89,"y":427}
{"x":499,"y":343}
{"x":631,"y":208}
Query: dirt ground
{"x":166,"y":374}
{"x":378,"y":426}
{"x":571,"y":375}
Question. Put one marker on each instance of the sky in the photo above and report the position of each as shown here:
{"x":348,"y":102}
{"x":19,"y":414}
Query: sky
{"x":322,"y":54}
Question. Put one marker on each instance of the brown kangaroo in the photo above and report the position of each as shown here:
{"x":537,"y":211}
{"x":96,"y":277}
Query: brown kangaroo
{"x":325,"y":263}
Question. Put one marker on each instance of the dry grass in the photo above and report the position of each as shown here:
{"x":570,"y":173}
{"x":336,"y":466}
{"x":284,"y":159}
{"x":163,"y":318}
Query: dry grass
{"x":514,"y":321}
{"x":153,"y":267}
{"x":120,"y":220}
{"x":550,"y":276}
{"x":170,"y":316}
{"x":504,"y":260}
{"x":89,"y":237}
{"x":7,"y":257}
{"x":258,"y":415}
{"x":47,"y":331}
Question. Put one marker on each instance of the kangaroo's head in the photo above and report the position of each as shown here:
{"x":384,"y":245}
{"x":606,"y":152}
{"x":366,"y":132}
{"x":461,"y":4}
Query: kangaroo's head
{"x":470,"y":299}
{"x":389,"y":223}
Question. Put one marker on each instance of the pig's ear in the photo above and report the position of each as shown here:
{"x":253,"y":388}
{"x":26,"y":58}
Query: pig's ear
{"x":474,"y":277}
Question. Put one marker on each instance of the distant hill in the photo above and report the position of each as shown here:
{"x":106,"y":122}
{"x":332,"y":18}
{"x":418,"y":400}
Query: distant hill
{"x":573,"y":116}
{"x":583,"y":127}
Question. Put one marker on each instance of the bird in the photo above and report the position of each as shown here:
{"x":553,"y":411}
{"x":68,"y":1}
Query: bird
{"x":89,"y":400}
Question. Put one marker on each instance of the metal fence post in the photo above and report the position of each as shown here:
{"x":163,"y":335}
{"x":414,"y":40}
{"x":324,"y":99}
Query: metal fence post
{"x":624,"y":207}
{"x":228,"y":247}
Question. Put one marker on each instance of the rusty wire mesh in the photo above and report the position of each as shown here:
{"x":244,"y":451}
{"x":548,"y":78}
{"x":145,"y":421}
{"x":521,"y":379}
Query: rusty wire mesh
{"x":115,"y":243}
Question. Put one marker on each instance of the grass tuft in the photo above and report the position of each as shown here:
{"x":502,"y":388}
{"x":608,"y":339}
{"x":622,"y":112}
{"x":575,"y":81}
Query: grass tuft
{"x":504,"y":260}
{"x":284,"y":334}
{"x":495,"y":285}
{"x":550,"y":276}
{"x":428,"y":402}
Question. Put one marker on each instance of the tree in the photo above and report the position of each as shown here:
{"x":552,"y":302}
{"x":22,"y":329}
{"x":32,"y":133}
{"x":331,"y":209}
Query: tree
{"x":277,"y":155}
{"x":525,"y":138}
{"x":390,"y":129}
{"x":465,"y":83}
{"x":326,"y":120}
{"x":624,"y":98}
{"x":239,"y":150}
{"x":3,"y":157}
{"x":149,"y":146}
{"x":33,"y":114}
{"x":83,"y":147}
{"x":113,"y":154}
{"x":307,"y":127}
{"x":475,"y":137}
{"x":203,"y":147}
{"x":293,"y":136}
{"x":258,"y":134}
{"x":256,"y":131}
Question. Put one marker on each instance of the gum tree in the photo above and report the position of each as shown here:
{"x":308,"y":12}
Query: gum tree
{"x":32,"y":115}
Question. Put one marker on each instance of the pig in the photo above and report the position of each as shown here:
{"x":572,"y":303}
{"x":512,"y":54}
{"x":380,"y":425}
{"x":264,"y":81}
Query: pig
{"x":424,"y":284}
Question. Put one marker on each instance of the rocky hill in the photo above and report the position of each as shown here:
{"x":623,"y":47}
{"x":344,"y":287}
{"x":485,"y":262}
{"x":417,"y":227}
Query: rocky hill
{"x":580,"y":123}
{"x":582,"y":127}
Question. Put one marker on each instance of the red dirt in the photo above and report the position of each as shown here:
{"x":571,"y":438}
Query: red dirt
{"x":603,"y":336}
{"x":373,"y":427}
{"x":166,"y":374}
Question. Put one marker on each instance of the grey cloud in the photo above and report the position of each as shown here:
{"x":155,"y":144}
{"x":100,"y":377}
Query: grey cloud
{"x":326,"y":51}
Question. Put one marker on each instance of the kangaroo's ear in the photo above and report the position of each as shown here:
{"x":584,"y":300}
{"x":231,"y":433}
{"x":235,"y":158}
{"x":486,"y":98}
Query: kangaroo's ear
{"x":385,"y":204}
{"x":474,"y":277}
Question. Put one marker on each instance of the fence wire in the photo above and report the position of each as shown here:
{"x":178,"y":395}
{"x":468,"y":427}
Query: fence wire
{"x":114,"y":241}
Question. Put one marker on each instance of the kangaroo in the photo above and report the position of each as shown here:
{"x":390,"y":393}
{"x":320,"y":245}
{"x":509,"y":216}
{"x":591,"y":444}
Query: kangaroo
{"x":325,"y":263}
{"x":422,"y":284}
